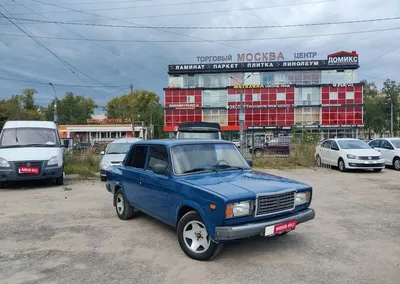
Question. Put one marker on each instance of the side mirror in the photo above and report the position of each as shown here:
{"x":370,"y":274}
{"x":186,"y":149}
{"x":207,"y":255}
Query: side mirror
{"x":250,"y":162}
{"x":102,"y":153}
{"x":160,"y":169}
{"x":335,"y":149}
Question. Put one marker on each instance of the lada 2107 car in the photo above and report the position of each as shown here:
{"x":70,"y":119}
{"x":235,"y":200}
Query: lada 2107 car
{"x":207,"y":191}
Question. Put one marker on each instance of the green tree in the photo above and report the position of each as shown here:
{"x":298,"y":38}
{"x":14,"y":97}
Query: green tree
{"x":375,"y":119}
{"x":72,"y":109}
{"x":28,"y":99}
{"x":146,"y":108}
{"x":391,"y":91}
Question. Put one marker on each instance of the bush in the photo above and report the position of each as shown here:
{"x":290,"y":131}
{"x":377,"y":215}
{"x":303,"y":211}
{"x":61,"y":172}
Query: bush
{"x":83,"y":163}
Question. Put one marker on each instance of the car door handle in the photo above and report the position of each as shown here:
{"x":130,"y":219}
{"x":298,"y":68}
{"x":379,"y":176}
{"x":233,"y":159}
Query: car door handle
{"x":142,"y":177}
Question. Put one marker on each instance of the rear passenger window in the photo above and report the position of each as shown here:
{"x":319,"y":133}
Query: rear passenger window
{"x":374,"y":143}
{"x":157,"y":155}
{"x":138,"y":157}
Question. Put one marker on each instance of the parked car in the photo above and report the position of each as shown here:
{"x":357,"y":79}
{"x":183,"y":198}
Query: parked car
{"x":349,"y":153}
{"x":114,"y":154}
{"x":236,"y":142}
{"x":31,"y":150}
{"x":199,"y":130}
{"x":389,"y":149}
{"x":278,"y":145}
{"x":207,"y":191}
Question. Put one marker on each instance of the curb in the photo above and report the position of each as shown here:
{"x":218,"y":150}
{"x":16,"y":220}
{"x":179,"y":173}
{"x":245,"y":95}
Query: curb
{"x":78,"y":177}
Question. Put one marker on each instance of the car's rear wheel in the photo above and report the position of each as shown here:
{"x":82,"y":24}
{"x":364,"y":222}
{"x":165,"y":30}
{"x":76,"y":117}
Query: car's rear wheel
{"x":60,"y":180}
{"x":124,"y":210}
{"x":396,"y":163}
{"x":194,"y":238}
{"x":319,"y":163}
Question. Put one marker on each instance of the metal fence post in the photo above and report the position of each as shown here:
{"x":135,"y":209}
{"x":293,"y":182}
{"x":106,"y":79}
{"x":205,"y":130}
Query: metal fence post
{"x":252,"y":145}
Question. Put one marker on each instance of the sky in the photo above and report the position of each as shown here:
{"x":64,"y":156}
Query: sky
{"x":101,"y":53}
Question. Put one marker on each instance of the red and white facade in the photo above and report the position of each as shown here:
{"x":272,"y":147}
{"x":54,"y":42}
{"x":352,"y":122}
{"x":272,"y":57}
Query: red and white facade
{"x":316,"y":94}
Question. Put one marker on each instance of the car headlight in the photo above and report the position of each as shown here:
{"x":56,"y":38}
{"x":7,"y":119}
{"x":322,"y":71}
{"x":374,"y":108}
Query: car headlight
{"x":105,"y":164}
{"x":351,"y":156}
{"x":4,"y":163}
{"x":302,"y":198}
{"x":238,"y":209}
{"x":53,"y":161}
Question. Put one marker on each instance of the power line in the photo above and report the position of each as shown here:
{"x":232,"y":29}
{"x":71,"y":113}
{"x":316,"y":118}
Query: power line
{"x":211,"y":27}
{"x":192,"y":13}
{"x":134,"y":7}
{"x":98,"y":45}
{"x":86,"y":3}
{"x":69,"y":66}
{"x":162,"y":30}
{"x":212,"y":40}
{"x":61,"y":85}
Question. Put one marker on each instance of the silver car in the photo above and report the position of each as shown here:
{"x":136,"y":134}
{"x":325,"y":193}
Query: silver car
{"x":114,"y":154}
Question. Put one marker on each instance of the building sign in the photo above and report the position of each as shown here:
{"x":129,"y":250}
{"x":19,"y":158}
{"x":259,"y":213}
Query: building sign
{"x":305,"y":55}
{"x":343,"y":58}
{"x":261,"y":62}
{"x":110,"y":120}
{"x":260,"y":106}
{"x":244,"y":57}
{"x":183,"y":106}
{"x":261,"y":86}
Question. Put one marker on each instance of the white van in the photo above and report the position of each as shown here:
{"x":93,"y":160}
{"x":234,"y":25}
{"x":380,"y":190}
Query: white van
{"x":31,"y":150}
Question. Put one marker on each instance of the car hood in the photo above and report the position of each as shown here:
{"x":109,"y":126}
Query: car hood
{"x":29,"y":153}
{"x":242,"y":184}
{"x":361,"y":152}
{"x":113,"y":158}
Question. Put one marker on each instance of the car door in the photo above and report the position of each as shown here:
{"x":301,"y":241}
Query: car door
{"x":376,"y":145}
{"x":133,"y":175}
{"x":325,"y":151}
{"x":334,"y":153}
{"x":387,"y":152}
{"x":157,"y":186}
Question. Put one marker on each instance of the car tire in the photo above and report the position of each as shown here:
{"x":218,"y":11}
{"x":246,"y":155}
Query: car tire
{"x":60,"y":180}
{"x":378,"y":170}
{"x":187,"y":224}
{"x":124,"y":210}
{"x":319,"y":163}
{"x":396,"y":163}
{"x":341,"y":165}
{"x":258,"y":153}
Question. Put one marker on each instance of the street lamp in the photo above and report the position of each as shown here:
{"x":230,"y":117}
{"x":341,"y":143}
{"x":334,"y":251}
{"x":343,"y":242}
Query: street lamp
{"x":55,"y":105}
{"x":241,"y":110}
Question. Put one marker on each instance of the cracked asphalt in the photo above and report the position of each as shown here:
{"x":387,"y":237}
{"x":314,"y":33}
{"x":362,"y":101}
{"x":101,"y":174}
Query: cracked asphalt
{"x":71,"y":234}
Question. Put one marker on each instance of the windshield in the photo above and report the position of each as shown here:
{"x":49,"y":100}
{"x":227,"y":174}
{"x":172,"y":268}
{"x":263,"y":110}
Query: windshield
{"x":29,"y":137}
{"x":353,"y":144}
{"x":396,"y":143}
{"x":198,"y":135}
{"x":206,"y":157}
{"x":118,"y":148}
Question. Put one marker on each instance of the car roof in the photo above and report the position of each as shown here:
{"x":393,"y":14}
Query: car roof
{"x":126,"y":140}
{"x":29,"y":124}
{"x":173,"y":141}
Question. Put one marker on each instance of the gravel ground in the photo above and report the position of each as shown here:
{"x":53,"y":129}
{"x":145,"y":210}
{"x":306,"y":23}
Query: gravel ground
{"x":71,"y":234}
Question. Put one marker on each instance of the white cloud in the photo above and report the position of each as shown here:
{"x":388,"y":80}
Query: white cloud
{"x":22,"y":58}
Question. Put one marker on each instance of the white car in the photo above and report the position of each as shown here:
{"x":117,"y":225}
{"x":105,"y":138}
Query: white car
{"x":236,"y":142}
{"x":349,"y":153}
{"x":389,"y":149}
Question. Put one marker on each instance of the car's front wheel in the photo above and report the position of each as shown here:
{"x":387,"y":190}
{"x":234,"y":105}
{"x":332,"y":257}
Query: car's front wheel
{"x":124,"y":210}
{"x":194,"y":238}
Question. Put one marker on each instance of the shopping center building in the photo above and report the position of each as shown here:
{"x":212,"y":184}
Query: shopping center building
{"x":323,"y":95}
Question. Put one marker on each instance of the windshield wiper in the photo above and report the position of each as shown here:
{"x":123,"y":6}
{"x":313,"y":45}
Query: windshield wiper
{"x":200,"y":170}
{"x":228,"y":167}
{"x":38,"y":145}
{"x":114,"y":153}
{"x":12,"y":146}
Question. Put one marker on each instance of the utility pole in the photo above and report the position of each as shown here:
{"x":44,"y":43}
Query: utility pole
{"x":391,"y":117}
{"x":55,"y":114}
{"x":132,"y":113}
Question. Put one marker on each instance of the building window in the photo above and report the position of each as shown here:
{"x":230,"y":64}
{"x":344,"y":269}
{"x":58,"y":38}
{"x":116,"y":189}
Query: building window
{"x":216,"y":115}
{"x":275,"y":78}
{"x":256,"y":97}
{"x":333,"y":95}
{"x":281,"y":96}
{"x":307,"y":116}
{"x":215,"y":98}
{"x":190,"y":99}
{"x":175,"y":81}
{"x":237,"y":79}
{"x":233,"y":98}
{"x":305,"y":77}
{"x":307,"y":96}
{"x":220,"y":80}
{"x":349,"y":95}
{"x":254,"y":78}
{"x":338,"y":76}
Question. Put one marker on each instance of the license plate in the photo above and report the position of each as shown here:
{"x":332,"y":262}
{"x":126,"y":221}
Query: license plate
{"x":28,"y":170}
{"x":280,"y":228}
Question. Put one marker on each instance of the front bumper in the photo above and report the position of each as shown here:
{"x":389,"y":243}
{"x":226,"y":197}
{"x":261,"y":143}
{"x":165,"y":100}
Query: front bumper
{"x":227,"y":233}
{"x":363,"y":164}
{"x":45,"y":173}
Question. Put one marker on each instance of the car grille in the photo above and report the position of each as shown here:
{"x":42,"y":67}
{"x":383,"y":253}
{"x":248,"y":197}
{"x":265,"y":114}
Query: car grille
{"x":31,"y":164}
{"x":368,"y":157}
{"x":275,"y":203}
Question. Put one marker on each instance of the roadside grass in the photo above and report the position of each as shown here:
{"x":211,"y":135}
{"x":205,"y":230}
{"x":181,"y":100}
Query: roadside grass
{"x":85,"y":164}
{"x":301,"y":156}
